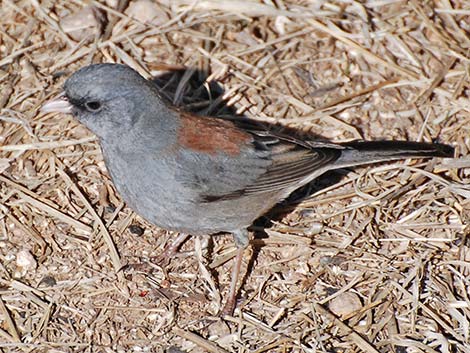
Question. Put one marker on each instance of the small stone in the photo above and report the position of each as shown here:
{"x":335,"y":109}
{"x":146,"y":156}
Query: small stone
{"x":314,"y":228}
{"x":136,"y":230}
{"x":88,"y":22}
{"x":147,"y":11}
{"x":48,"y":281}
{"x":345,"y":304}
{"x":25,"y":260}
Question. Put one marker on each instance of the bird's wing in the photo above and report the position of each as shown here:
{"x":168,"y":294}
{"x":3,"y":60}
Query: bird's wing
{"x":250,"y":160}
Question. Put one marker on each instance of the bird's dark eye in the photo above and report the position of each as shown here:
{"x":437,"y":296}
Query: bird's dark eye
{"x":93,"y":106}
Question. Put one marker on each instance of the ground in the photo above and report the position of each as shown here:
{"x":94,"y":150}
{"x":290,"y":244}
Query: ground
{"x":375,"y":259}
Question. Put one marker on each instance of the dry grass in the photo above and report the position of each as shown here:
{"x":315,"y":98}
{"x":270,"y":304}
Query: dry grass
{"x":389,"y":243}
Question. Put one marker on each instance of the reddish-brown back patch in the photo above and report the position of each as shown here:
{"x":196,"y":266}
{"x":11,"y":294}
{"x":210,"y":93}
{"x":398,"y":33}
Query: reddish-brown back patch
{"x":211,"y":135}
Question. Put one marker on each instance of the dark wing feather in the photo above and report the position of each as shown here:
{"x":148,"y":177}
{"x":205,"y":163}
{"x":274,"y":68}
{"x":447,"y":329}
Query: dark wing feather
{"x":293,"y":160}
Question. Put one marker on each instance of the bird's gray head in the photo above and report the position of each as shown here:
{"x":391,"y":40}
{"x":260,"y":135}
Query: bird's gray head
{"x":107,"y":98}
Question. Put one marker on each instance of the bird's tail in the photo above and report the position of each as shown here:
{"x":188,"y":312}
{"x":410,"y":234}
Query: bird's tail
{"x":367,"y":152}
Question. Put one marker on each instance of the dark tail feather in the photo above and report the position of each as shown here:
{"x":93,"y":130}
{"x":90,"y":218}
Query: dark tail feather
{"x":366,"y":152}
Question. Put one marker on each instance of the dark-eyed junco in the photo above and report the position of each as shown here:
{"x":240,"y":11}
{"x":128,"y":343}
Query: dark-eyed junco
{"x":203,"y":175}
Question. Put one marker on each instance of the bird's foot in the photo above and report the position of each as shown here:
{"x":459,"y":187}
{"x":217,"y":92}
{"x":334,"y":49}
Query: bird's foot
{"x":162,"y":260}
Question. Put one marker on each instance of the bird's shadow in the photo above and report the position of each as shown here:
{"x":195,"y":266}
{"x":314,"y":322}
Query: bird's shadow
{"x":189,"y":90}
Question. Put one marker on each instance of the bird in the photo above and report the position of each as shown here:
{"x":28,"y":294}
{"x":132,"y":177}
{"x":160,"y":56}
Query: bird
{"x":203,"y":175}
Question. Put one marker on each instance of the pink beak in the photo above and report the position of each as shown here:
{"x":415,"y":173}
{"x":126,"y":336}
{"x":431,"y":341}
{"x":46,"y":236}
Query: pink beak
{"x":60,"y":104}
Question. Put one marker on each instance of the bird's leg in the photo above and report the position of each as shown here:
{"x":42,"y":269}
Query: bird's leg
{"x":241,"y":240}
{"x":161,"y":260}
{"x":232,"y":295}
{"x":170,"y":250}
